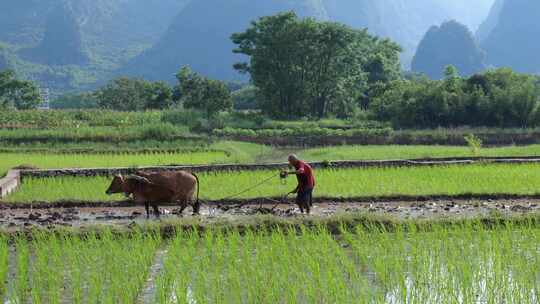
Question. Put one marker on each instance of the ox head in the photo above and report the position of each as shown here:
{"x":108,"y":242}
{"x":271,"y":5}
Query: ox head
{"x":117,"y":185}
{"x":127,"y":185}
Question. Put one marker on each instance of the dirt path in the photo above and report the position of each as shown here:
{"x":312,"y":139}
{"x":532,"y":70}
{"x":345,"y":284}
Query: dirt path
{"x":14,"y":219}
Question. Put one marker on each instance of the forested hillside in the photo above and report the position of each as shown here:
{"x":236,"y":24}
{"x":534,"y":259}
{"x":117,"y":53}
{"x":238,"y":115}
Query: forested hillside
{"x":485,"y":29}
{"x":406,"y":21}
{"x":514,"y":42}
{"x":70,"y":44}
{"x":101,"y":39}
{"x":449,"y":44}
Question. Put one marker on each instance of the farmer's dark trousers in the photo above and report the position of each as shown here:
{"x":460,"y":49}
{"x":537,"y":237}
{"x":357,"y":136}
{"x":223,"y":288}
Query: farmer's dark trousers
{"x":304,"y":197}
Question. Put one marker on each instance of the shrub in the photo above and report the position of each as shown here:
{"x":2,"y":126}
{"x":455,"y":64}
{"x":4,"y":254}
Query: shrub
{"x":159,"y":131}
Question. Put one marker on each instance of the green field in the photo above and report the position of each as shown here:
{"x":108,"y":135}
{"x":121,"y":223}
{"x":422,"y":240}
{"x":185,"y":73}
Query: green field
{"x":358,"y":182}
{"x":412,"y":152}
{"x":80,"y":160}
{"x":226,"y":152}
{"x":304,"y":265}
{"x":220,"y":152}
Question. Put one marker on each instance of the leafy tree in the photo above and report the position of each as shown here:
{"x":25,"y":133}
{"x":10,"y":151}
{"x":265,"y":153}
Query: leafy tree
{"x":131,"y":94}
{"x":197,"y":92}
{"x":498,"y":98}
{"x":75,"y":101}
{"x":245,"y":98}
{"x":16,"y":93}
{"x":159,"y":95}
{"x":303,"y":67}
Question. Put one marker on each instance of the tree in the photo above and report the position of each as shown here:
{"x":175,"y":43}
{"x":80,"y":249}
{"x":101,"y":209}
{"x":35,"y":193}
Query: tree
{"x":16,"y":93}
{"x":303,"y":67}
{"x":497,"y":98}
{"x":75,"y":101}
{"x":197,"y":92}
{"x":159,"y":95}
{"x":131,"y":94}
{"x":245,"y":98}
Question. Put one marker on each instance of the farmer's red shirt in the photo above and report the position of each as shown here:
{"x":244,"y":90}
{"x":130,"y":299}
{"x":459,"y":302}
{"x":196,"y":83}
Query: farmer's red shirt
{"x":306,"y":180}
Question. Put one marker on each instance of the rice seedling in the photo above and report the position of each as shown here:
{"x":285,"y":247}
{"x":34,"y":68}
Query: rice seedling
{"x":412,"y":152}
{"x":93,"y":269}
{"x":466,"y":264}
{"x":82,"y":160}
{"x":4,"y":259}
{"x":358,"y":182}
{"x":258,"y":267}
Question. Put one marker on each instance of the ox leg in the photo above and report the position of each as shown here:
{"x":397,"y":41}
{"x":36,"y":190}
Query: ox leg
{"x":196,"y":208}
{"x":183,"y":207}
{"x":156,"y":210}
{"x":147,"y":207}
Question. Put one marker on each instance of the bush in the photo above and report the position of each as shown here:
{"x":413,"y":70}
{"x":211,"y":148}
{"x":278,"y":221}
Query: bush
{"x":188,"y":118}
{"x":160,"y":131}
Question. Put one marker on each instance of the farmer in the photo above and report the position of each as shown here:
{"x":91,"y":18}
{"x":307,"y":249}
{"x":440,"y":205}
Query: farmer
{"x":306,"y":182}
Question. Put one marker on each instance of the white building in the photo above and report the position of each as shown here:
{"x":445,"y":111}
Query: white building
{"x":45,"y":94}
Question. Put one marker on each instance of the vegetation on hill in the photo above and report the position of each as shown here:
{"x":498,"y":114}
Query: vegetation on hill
{"x":205,"y":46}
{"x":303,"y":67}
{"x":62,"y":40}
{"x":449,"y":44}
{"x":499,"y":98}
{"x":513,"y":42}
{"x":485,"y":29}
{"x":16,"y":93}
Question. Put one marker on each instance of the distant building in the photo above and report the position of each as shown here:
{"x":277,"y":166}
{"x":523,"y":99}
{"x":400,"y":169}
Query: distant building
{"x":45,"y":94}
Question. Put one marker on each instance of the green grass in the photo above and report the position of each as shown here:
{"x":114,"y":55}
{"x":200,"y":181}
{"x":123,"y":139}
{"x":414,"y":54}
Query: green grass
{"x":412,"y":152}
{"x":361,"y":182}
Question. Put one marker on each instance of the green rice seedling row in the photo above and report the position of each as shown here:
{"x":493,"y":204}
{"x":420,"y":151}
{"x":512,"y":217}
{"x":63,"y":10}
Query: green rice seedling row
{"x":412,"y":152}
{"x":355,"y":182}
{"x":465,"y":263}
{"x":94,"y":269}
{"x":82,"y":160}
{"x":220,"y":152}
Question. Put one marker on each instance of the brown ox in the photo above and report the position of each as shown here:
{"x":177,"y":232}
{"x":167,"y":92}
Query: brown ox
{"x":155,"y":188}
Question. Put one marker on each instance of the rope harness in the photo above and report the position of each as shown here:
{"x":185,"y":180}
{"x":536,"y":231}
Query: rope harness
{"x":283,"y":179}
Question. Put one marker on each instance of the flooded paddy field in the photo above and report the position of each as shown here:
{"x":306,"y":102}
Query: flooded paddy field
{"x":301,"y":264}
{"x":22,"y":217}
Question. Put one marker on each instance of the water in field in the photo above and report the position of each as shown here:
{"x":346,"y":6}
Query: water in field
{"x":468,"y":264}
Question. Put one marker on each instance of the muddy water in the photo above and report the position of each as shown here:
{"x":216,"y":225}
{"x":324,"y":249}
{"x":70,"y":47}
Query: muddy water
{"x":16,"y":219}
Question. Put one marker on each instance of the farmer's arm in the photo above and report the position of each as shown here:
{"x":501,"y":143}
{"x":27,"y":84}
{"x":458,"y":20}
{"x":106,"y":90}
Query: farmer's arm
{"x":297,"y":172}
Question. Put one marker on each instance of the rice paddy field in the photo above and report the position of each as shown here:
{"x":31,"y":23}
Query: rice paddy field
{"x":221,"y":152}
{"x":83,"y":160}
{"x":412,"y":152}
{"x":371,"y":264}
{"x":411,"y":262}
{"x":235,"y":152}
{"x":521,"y":179}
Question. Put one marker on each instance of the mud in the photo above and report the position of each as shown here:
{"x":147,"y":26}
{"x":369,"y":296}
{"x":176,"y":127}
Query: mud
{"x":21,"y":218}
